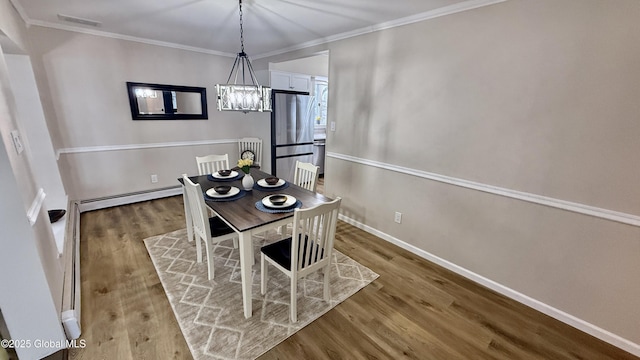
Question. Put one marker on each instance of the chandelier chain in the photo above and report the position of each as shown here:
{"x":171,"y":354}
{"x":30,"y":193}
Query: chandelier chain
{"x":241,"y":96}
{"x":241,"y":30}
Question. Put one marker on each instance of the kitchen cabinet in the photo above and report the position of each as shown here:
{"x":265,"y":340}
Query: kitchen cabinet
{"x":290,"y":81}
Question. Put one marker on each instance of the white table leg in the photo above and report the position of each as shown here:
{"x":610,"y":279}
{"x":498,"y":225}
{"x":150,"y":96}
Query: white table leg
{"x":246,"y":267}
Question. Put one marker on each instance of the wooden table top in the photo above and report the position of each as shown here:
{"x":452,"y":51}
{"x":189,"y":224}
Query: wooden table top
{"x":242,"y":213}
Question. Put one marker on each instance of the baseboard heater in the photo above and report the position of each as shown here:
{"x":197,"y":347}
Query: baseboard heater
{"x":129,"y":198}
{"x":70,"y":315}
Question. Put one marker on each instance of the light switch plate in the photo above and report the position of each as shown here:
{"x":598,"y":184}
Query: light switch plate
{"x":333,"y":126}
{"x":17,"y":142}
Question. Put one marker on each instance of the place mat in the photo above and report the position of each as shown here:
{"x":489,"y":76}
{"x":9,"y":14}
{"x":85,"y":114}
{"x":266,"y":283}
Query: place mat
{"x":237,"y":177}
{"x":277,"y":188}
{"x":210,"y":313}
{"x":237,"y":196}
{"x":260,"y":206}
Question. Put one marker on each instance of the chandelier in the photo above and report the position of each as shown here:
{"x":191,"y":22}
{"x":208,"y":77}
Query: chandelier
{"x":241,"y":95}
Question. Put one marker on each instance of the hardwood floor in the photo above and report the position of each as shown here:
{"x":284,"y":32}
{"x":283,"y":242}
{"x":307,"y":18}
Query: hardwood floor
{"x":320,"y":185}
{"x":414,"y":310}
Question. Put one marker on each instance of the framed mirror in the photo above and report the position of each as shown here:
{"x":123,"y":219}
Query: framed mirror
{"x":167,"y":102}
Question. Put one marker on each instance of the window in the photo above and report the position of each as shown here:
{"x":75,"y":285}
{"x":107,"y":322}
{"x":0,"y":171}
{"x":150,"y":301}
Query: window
{"x":321,"y":94}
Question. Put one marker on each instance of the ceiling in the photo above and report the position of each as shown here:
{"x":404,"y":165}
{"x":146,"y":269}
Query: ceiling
{"x":270,"y":26}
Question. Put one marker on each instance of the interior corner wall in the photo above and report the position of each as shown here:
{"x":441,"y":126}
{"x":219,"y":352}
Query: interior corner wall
{"x":12,"y":26}
{"x":32,"y":301}
{"x":539,"y":97}
{"x":103,"y":152}
{"x":35,"y":134}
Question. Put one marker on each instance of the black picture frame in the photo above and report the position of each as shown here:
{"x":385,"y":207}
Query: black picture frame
{"x":168,"y":99}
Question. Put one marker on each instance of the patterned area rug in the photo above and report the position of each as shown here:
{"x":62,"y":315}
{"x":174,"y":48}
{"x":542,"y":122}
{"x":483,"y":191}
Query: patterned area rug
{"x":210,"y":312}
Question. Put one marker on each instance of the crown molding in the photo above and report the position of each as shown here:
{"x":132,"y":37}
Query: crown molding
{"x":23,"y":14}
{"x":111,"y":35}
{"x":435,"y":13}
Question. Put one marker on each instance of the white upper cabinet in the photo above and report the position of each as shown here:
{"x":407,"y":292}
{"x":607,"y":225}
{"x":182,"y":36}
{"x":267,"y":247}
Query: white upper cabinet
{"x":290,"y":81}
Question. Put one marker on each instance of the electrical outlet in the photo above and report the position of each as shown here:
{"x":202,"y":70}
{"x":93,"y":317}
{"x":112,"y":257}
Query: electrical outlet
{"x":17,"y":142}
{"x":398,"y":217}
{"x":154,"y":178}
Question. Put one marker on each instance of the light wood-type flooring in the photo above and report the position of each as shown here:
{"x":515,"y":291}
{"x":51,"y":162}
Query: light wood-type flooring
{"x":414,"y":310}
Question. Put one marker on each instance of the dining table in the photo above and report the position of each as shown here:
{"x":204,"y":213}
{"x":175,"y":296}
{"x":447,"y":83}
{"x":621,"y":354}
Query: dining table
{"x":245,"y":215}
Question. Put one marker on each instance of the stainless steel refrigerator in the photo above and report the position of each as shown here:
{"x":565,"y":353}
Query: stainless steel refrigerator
{"x":291,"y":132}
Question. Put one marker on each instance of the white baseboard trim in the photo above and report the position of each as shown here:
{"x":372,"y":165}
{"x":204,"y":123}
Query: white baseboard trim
{"x":87,"y":149}
{"x":618,"y":216}
{"x":124,"y":199}
{"x":560,"y":315}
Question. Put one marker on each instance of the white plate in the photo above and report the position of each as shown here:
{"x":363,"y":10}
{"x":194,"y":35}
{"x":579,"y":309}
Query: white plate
{"x":290,"y":202}
{"x":263,"y":183}
{"x":212,"y":193}
{"x":231,"y":176}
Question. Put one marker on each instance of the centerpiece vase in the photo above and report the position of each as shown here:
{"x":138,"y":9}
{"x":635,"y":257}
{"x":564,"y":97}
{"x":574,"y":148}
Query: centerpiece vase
{"x":247,"y":182}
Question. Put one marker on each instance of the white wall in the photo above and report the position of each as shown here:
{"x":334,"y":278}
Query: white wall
{"x":524,"y":97}
{"x":31,"y":299}
{"x":82,"y":81}
{"x":45,"y":166}
{"x":316,"y":65}
{"x":28,"y":308}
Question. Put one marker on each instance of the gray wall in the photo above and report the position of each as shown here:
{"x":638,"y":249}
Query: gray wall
{"x":539,"y":97}
{"x":82,"y":80}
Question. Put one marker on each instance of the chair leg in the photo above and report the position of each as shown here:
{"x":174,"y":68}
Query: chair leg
{"x":198,"y":248}
{"x":210,"y":261}
{"x":326,"y":294}
{"x":293,"y":307}
{"x":263,"y":275}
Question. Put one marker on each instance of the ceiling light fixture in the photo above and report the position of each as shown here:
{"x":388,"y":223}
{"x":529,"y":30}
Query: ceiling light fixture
{"x":243,"y":96}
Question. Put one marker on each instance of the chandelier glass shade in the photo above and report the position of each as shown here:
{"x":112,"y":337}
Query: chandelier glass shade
{"x":245,"y":93}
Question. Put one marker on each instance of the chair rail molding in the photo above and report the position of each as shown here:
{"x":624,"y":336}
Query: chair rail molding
{"x":36,"y":205}
{"x":87,"y":149}
{"x":625,"y":218}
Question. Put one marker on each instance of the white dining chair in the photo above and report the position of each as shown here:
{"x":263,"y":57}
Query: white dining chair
{"x":254,"y":146}
{"x":314,"y":230}
{"x":212,"y":163}
{"x":306,"y":175}
{"x":210,"y":230}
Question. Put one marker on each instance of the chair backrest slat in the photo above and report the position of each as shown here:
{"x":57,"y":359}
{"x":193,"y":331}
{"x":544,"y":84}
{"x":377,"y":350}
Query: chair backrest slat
{"x":195,"y":200}
{"x":212,"y":163}
{"x":306,"y":175}
{"x":313,"y":234}
{"x":253,"y":144}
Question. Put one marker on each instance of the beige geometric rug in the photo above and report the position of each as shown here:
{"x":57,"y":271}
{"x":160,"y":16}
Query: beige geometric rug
{"x":210,"y":313}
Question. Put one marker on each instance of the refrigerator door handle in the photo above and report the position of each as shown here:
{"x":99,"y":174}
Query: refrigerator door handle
{"x":293,"y":155}
{"x":295,"y":144}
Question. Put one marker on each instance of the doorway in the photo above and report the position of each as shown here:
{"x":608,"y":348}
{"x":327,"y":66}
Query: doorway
{"x":317,"y":66}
